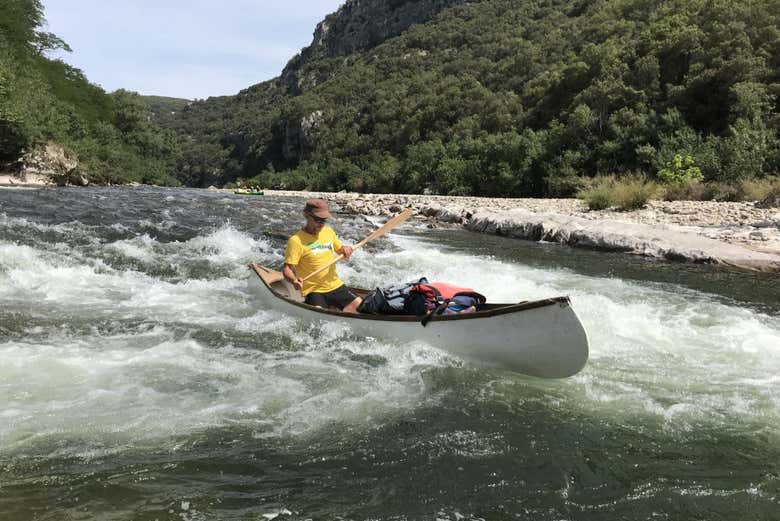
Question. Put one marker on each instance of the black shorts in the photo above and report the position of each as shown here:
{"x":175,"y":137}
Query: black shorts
{"x":340,"y":298}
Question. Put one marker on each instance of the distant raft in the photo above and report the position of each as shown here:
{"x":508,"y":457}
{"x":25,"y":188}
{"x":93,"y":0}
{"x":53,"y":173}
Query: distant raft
{"x":542,"y":338}
{"x":248,"y":192}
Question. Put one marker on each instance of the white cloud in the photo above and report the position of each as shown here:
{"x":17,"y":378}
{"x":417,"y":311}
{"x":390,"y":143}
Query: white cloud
{"x":191,"y":49}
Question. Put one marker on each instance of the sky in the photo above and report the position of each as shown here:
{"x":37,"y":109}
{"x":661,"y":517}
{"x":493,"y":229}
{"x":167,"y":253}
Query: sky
{"x":183,"y":48}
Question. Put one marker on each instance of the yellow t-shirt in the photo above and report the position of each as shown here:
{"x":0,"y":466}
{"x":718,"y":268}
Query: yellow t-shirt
{"x":308,"y":252}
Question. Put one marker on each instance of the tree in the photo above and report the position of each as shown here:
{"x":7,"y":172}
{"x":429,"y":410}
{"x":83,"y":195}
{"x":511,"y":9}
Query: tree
{"x":19,"y":28}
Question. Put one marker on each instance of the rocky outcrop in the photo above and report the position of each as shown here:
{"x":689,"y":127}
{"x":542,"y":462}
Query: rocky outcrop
{"x":659,"y":241}
{"x":356,"y":26}
{"x":50,"y":164}
{"x":300,"y":136}
{"x":362,"y":24}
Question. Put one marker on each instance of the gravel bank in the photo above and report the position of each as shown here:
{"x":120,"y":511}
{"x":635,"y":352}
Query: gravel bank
{"x":736,"y":234}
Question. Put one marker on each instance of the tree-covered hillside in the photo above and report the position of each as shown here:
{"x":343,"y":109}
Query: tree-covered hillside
{"x":44,"y":100}
{"x":486,"y":97}
{"x":163,"y":107}
{"x":504,"y":97}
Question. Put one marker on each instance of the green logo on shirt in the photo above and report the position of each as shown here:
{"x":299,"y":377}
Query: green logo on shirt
{"x":316,"y":247}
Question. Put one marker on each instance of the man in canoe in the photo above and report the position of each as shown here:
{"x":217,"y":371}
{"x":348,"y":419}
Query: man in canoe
{"x":312,"y":247}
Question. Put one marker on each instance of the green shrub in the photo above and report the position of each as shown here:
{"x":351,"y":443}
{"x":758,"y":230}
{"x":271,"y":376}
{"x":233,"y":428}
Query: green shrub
{"x":722,"y":192}
{"x":632,"y":193}
{"x":758,"y":189}
{"x":693,"y":192}
{"x":716,"y":191}
{"x":598,"y":196}
{"x":745,"y":190}
{"x":772,"y":198}
{"x":629,"y":193}
{"x":565,"y":186}
{"x":681,"y":170}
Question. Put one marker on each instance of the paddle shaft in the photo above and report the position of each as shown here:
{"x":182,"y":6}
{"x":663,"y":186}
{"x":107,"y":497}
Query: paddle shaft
{"x":389,"y":225}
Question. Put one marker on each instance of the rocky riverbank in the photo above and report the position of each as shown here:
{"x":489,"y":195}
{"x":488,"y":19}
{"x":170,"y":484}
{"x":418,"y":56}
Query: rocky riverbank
{"x":736,"y":234}
{"x":12,"y":179}
{"x":50,"y":165}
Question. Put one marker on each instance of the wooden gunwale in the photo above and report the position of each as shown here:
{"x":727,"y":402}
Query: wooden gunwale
{"x":493,"y":309}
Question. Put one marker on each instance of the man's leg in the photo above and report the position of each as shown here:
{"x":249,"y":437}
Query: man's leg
{"x":316,"y":299}
{"x":344,"y":299}
{"x":352,"y":307}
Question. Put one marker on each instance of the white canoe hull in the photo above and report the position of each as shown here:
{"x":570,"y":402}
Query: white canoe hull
{"x":541,"y":338}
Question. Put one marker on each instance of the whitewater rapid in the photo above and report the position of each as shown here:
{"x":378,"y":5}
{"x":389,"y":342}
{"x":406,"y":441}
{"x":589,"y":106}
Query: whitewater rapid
{"x":120,"y":336}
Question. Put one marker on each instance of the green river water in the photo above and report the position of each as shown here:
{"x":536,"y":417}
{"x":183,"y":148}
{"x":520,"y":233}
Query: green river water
{"x":140,"y":380}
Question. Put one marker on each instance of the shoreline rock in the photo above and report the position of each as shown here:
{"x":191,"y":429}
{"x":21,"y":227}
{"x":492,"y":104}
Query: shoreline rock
{"x":12,"y":180}
{"x":658,"y":241}
{"x":48,"y":165}
{"x":739,"y":235}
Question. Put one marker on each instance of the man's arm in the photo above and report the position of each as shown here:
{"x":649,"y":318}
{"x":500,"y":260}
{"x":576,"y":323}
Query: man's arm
{"x":341,"y":248}
{"x":292,"y":277}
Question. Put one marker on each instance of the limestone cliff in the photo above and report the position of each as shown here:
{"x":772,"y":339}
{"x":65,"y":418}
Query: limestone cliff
{"x":360,"y":25}
{"x":356,"y":26}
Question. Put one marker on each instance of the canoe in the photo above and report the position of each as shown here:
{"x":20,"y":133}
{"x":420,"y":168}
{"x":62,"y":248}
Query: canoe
{"x":542,"y":338}
{"x":244,"y":192}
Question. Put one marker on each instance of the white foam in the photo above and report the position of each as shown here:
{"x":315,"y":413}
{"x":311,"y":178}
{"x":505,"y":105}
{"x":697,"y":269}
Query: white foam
{"x":140,"y":247}
{"x":226,"y":244}
{"x":650,"y":344}
{"x":671,"y":356}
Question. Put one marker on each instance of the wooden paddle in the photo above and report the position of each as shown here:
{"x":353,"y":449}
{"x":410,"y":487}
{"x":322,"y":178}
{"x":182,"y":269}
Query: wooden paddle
{"x":389,"y":225}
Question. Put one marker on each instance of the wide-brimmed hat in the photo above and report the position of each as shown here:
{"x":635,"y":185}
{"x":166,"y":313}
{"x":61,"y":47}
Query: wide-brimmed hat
{"x":318,"y":207}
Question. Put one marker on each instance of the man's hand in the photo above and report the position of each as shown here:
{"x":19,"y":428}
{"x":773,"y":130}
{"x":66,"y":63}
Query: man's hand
{"x":346,"y":251}
{"x":298,"y":283}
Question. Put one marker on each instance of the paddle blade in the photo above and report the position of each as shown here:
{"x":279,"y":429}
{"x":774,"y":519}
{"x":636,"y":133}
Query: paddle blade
{"x":389,"y":225}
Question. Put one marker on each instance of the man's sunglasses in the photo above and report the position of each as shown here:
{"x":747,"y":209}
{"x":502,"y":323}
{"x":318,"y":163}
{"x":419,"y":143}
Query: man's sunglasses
{"x":322,"y":220}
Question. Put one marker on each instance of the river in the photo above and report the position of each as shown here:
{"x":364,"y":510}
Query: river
{"x":140,"y":380}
